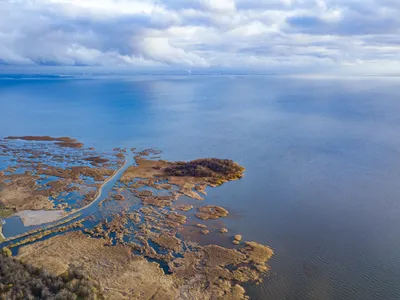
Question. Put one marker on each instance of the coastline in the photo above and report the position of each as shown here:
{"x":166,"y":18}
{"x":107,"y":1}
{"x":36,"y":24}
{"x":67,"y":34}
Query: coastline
{"x":65,"y":216}
{"x":98,"y":193}
{"x":156,"y":221}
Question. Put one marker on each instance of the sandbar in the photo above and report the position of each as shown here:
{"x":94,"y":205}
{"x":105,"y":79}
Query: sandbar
{"x":38,"y":217}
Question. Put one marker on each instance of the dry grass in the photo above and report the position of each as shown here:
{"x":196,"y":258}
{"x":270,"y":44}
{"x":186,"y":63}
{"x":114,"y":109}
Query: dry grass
{"x":120,"y":274}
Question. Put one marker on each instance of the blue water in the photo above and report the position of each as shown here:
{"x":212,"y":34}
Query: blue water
{"x":14,"y":225}
{"x":322,"y":182}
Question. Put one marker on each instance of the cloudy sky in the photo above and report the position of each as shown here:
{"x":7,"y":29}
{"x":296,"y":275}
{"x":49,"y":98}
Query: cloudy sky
{"x":359,"y":36}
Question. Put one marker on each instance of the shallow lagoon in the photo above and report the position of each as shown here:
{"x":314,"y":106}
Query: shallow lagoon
{"x":322,"y":171}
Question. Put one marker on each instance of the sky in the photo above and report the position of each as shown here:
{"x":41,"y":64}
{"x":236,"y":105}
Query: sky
{"x":282,"y":36}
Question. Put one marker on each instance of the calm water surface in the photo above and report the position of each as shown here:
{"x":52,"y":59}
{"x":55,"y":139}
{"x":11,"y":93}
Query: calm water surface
{"x":322,"y":158}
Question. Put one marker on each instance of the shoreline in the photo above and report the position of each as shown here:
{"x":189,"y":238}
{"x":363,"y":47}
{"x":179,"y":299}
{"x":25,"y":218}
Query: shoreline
{"x":98,"y":194}
{"x":223,"y":268}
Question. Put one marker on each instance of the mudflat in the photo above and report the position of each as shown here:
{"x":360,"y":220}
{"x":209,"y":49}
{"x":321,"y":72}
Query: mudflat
{"x":37,"y":217}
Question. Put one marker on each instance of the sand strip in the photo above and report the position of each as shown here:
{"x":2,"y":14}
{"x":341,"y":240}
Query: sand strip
{"x":38,"y":217}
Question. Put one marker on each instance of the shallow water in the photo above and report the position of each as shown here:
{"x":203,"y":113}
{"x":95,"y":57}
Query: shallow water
{"x":14,"y":226}
{"x":321,"y":156}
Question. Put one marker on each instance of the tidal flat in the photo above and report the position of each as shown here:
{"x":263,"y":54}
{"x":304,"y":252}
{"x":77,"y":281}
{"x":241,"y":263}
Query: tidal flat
{"x":129,"y":241}
{"x":45,"y":173}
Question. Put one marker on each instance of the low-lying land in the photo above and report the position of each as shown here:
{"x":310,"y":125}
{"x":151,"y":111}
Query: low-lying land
{"x":50,"y":174}
{"x":122,"y":275}
{"x":191,"y":178}
{"x":60,"y":141}
{"x":22,"y":281}
{"x":134,"y":248}
{"x":210,"y":272}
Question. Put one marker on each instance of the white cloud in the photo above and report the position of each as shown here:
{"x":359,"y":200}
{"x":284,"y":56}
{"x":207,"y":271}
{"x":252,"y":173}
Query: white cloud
{"x":285,"y":35}
{"x":159,"y":49}
{"x":220,"y":5}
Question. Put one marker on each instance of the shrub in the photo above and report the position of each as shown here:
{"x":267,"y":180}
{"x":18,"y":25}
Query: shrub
{"x":19,"y":281}
{"x":7,"y":252}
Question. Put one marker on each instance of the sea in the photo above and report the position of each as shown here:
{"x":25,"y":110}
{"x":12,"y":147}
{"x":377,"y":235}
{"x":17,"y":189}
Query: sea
{"x":322,"y":159}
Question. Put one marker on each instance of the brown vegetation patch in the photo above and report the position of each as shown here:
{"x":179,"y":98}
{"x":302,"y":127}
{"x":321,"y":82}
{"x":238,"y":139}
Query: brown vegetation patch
{"x":120,"y":274}
{"x":177,"y":218}
{"x":219,"y":256}
{"x":21,"y":194}
{"x":238,"y":237}
{"x":211,"y":212}
{"x":60,"y":141}
{"x":167,"y":241}
{"x":97,"y":159}
{"x":209,"y":272}
{"x":213,"y":168}
{"x":191,"y":178}
{"x":147,"y":152}
{"x":145,"y":169}
{"x":75,"y":172}
{"x":119,"y":197}
{"x":31,"y":190}
{"x":257,"y":253}
{"x":185,"y":207}
{"x":159,"y":201}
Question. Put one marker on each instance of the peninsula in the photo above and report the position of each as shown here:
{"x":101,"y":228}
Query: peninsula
{"x":130,"y":240}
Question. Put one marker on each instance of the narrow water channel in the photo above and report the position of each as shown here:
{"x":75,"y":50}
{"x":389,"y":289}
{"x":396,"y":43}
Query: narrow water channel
{"x":13,"y":225}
